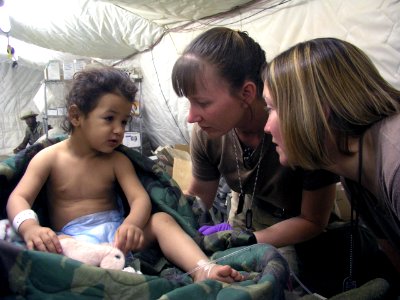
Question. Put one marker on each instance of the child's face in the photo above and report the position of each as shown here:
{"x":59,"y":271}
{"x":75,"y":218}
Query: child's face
{"x":104,"y":126}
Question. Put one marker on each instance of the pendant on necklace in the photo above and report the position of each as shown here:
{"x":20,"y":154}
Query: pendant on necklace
{"x":240,"y":203}
{"x":249,"y":218}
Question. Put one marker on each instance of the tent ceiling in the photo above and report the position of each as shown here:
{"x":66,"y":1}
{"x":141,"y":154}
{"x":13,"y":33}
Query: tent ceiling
{"x":105,"y":29}
{"x":111,"y":30}
{"x":168,"y":12}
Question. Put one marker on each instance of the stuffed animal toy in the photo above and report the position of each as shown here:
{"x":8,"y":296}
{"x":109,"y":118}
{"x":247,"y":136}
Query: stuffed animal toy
{"x":7,"y":232}
{"x":102,"y":255}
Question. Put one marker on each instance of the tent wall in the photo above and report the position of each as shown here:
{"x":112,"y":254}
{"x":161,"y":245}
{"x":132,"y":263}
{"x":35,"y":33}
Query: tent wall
{"x":18,"y":87}
{"x":373,"y":25}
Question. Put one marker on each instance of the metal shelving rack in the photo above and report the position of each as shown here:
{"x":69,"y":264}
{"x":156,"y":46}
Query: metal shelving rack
{"x":136,"y":123}
{"x":46,"y":83}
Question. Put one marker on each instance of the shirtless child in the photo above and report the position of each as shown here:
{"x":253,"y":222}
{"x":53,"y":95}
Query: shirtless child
{"x":80,"y":174}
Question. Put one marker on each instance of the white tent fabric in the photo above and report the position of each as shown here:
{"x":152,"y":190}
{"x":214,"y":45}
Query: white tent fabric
{"x":150,"y":35}
{"x":103,"y":29}
{"x":86,"y":28}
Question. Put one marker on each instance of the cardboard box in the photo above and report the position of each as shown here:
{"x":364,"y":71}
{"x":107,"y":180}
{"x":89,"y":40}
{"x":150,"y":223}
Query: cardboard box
{"x":178,"y":161}
{"x":167,"y":154}
{"x":182,"y":172}
{"x":182,"y":147}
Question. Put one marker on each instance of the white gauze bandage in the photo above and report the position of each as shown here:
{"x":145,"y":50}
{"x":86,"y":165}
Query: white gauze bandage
{"x":206,"y":265}
{"x":23,"y":216}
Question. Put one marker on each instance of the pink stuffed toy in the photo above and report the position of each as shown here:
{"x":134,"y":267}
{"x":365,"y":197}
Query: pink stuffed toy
{"x":102,"y":255}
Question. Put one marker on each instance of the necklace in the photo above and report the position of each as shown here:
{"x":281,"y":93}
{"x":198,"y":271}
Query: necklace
{"x":247,"y":155}
{"x":249,"y":213}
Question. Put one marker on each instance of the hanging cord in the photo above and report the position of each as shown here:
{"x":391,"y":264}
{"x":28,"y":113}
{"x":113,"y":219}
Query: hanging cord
{"x":349,"y":282}
{"x":11,"y":52}
{"x":304,"y":287}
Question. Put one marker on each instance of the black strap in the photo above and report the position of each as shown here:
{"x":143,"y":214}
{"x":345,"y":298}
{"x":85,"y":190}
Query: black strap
{"x":349,"y":282}
{"x":240,"y":203}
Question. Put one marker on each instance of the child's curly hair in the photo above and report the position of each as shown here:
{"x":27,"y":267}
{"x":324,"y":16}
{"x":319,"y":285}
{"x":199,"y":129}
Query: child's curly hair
{"x":89,"y":85}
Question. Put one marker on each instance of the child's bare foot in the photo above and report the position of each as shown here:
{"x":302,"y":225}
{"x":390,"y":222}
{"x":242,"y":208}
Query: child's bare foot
{"x":213,"y":271}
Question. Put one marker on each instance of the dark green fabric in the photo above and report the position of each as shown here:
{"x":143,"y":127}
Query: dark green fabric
{"x":165,"y":194}
{"x":39,"y":275}
{"x":375,"y":289}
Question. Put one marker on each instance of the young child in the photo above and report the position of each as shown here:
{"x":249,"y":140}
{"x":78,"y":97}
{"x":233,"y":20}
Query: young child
{"x":80,"y":174}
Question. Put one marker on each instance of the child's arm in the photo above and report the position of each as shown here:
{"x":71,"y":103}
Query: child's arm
{"x":129,"y":235}
{"x":20,"y":202}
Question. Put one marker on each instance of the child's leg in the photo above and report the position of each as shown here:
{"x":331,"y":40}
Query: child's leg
{"x":182,"y":250}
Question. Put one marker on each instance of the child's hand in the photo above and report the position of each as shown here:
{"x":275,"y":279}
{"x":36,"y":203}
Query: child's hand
{"x":41,"y":238}
{"x":128,"y":237}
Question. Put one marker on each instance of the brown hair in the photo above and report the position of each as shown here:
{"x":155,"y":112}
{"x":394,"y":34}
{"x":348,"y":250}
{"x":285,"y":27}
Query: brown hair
{"x":89,"y":85}
{"x":235,"y":56}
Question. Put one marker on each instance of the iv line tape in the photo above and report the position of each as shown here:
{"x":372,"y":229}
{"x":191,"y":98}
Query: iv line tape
{"x":217,"y":259}
{"x":246,"y":249}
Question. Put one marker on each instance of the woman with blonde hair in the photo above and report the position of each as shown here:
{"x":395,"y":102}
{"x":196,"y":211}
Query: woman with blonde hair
{"x":330,"y":108}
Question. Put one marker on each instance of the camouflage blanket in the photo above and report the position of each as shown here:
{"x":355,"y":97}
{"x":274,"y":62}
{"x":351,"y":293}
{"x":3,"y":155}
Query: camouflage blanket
{"x":38,"y":275}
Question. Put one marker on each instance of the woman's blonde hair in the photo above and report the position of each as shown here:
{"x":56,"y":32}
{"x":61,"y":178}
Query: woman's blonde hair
{"x":324,"y":89}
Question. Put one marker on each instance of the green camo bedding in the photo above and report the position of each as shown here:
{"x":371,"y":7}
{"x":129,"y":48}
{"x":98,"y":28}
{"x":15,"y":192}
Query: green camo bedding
{"x":38,"y":275}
